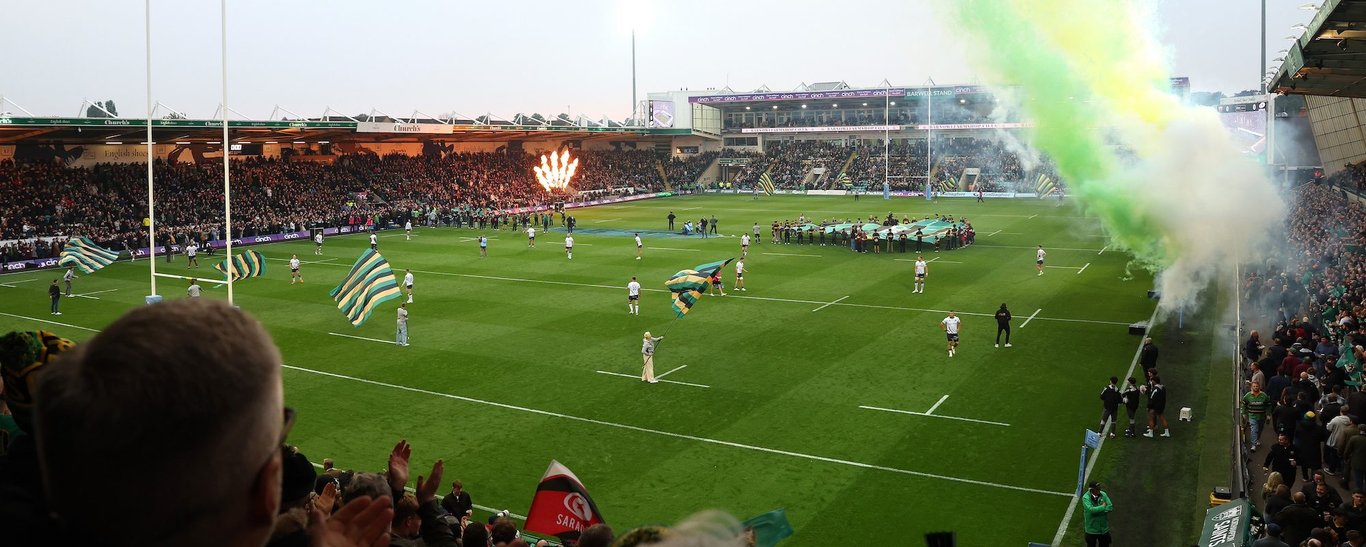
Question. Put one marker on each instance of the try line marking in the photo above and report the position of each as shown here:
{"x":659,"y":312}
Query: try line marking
{"x":1031,"y":317}
{"x":390,"y":342}
{"x":1067,"y":517}
{"x":684,"y":436}
{"x":837,"y":301}
{"x":637,"y":378}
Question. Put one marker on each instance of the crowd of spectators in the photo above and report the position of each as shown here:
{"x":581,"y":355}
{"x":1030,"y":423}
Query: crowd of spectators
{"x":1303,"y":399}
{"x":687,"y":171}
{"x":207,"y":460}
{"x":947,"y":113}
{"x":40,"y":202}
{"x":788,"y":163}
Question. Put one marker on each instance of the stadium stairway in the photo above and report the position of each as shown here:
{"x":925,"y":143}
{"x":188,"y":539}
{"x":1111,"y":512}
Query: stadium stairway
{"x":664,"y":176}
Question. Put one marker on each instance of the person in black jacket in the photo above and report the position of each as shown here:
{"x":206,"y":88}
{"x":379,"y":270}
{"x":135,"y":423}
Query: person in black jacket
{"x":1109,"y":402}
{"x":1003,"y":325}
{"x":1298,"y":519}
{"x":55,"y":293}
{"x":1148,"y":355}
{"x":457,"y":502}
{"x":1157,"y":407}
{"x":1131,"y":396}
{"x":1308,"y":442}
{"x":1281,"y":459}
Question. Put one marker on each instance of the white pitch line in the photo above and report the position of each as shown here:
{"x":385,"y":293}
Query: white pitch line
{"x":1031,"y":317}
{"x":1102,"y":249}
{"x":1031,"y":216}
{"x":993,"y":233}
{"x":673,"y":249}
{"x":47,"y":321}
{"x":689,"y":208}
{"x":637,"y":378}
{"x":390,"y":342}
{"x":837,"y":301}
{"x":323,"y":261}
{"x":913,"y":413}
{"x":1028,"y":247}
{"x":719,"y":442}
{"x":1065,"y":267}
{"x":1095,"y":454}
{"x":608,"y":220}
{"x":1083,"y":268}
{"x":87,"y":295}
{"x":11,"y":284}
{"x":680,"y":367}
{"x":936,"y":405}
{"x":930,"y":260}
{"x":788,"y":254}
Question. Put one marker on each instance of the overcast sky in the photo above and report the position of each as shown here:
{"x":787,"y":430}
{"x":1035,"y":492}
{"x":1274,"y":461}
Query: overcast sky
{"x":516,"y":56}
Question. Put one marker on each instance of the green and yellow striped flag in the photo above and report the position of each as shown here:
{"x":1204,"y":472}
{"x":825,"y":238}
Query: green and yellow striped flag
{"x":688,"y":285}
{"x":766,"y":183}
{"x":85,"y":255}
{"x":369,"y":283}
{"x":1045,"y":185}
{"x":248,"y":264}
{"x":843,"y":180}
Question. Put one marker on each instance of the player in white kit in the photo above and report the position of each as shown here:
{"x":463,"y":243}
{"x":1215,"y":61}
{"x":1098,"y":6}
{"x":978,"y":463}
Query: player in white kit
{"x":531,"y":237}
{"x":294,"y":274}
{"x":639,"y":246}
{"x":401,"y":338}
{"x":1038,"y":259}
{"x":408,"y":284}
{"x":374,"y":242}
{"x":922,"y":269}
{"x":318,"y":243}
{"x":569,"y":247}
{"x":633,"y":297}
{"x":408,"y":230}
{"x":950,"y":326}
{"x":744,"y":245}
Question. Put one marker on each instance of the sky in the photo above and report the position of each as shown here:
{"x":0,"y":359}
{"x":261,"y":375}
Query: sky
{"x":511,"y":56}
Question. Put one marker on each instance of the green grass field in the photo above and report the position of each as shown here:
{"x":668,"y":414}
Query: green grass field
{"x":761,"y":408}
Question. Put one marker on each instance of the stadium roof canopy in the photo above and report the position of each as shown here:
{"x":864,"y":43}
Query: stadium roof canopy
{"x":1330,"y":57}
{"x":82,"y":130}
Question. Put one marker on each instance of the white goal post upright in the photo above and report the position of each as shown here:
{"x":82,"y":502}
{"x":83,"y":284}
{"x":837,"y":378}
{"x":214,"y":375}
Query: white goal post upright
{"x":151,"y":211}
{"x":227,"y":145}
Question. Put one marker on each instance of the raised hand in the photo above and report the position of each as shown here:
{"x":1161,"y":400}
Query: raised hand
{"x":426,"y":490}
{"x":398,"y":466}
{"x":362,"y":523}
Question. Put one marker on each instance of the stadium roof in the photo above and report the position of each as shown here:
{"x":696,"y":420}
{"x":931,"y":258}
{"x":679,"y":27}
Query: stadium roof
{"x":1330,"y":57}
{"x":40,"y":130}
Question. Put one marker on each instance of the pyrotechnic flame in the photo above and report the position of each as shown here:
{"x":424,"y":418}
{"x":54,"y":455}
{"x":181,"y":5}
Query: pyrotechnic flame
{"x":556,"y":170}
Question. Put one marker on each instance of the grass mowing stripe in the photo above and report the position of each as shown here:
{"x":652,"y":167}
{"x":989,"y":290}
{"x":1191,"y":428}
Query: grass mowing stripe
{"x":1067,"y":517}
{"x":639,"y":429}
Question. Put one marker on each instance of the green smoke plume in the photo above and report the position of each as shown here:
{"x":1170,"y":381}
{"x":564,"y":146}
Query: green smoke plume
{"x":1164,"y":178}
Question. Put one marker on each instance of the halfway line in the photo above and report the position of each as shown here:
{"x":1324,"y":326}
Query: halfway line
{"x":731,"y":444}
{"x":1031,"y":317}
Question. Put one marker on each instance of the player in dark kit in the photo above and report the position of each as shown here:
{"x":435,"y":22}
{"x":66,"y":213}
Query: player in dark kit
{"x":1002,"y":325}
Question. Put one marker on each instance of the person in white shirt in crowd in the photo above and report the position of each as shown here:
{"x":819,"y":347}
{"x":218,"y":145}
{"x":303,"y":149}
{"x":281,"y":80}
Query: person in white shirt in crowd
{"x":194,"y":289}
{"x":633,"y":297}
